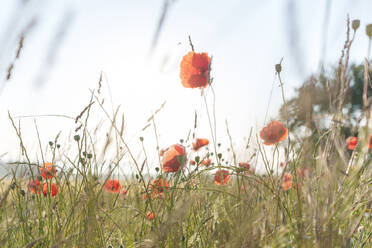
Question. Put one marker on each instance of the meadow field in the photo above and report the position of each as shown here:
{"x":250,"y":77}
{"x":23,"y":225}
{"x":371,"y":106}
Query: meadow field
{"x":305,"y":183}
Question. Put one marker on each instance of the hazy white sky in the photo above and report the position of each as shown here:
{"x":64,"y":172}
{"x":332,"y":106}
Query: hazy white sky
{"x":73,"y":41}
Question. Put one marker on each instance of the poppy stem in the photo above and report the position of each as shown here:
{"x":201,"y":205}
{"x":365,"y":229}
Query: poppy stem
{"x":211,"y":128}
{"x":191,"y":45}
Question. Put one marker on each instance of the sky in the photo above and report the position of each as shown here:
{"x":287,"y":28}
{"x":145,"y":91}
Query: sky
{"x":71,"y":42}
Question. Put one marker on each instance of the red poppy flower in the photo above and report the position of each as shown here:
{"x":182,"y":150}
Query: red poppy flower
{"x":370,"y":141}
{"x":206,"y":162}
{"x":287,"y":181}
{"x":150,"y":215}
{"x":199,"y":143}
{"x":173,"y":158}
{"x":286,"y":185}
{"x":48,"y":170}
{"x":287,"y":177}
{"x":159,"y":185}
{"x":50,"y":188}
{"x":157,"y":188}
{"x":192,"y":162}
{"x":351,"y":142}
{"x":273,"y":133}
{"x":112,"y":185}
{"x":247,"y":167}
{"x":195,"y":70}
{"x":222,"y":177}
{"x":33,"y":186}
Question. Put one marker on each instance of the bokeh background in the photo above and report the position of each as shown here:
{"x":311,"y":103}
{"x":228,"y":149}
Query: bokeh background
{"x":138,"y":45}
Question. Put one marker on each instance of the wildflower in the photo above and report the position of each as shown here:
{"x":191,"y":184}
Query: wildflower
{"x":173,"y":158}
{"x":222,"y":177}
{"x":48,"y":170}
{"x":157,"y":188}
{"x":33,"y":186}
{"x":206,"y":162}
{"x":159,"y":185}
{"x":192,"y":162}
{"x":199,"y":143}
{"x":112,"y":185}
{"x":195,"y":70}
{"x":247,"y":167}
{"x":150,"y":215}
{"x":282,"y":165}
{"x":273,"y":133}
{"x":287,"y":181}
{"x":50,"y":188}
{"x":351,"y":143}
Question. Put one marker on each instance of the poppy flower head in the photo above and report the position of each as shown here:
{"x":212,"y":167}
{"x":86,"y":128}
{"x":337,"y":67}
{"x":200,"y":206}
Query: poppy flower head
{"x":48,"y":170}
{"x":112,"y":185}
{"x":192,"y":162}
{"x":195,"y":70}
{"x":273,"y":133}
{"x":247,"y":167}
{"x":33,"y":186}
{"x":222,"y":177}
{"x":286,"y":185}
{"x":158,"y":186}
{"x":370,"y":141}
{"x":199,"y":143}
{"x":157,"y":189}
{"x":206,"y":162}
{"x":287,"y":181}
{"x":287,"y":177}
{"x":351,"y":142}
{"x":173,"y":158}
{"x":50,"y":188}
{"x":150,"y":215}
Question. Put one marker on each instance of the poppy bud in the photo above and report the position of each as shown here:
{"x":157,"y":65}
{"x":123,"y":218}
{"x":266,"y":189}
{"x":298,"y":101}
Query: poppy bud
{"x":50,"y":143}
{"x":369,"y":30}
{"x":355,"y":24}
{"x":197,"y":159}
{"x":89,"y":156}
{"x":58,"y":145}
{"x":141,"y":139}
{"x":77,"y":137}
{"x":278,"y":68}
